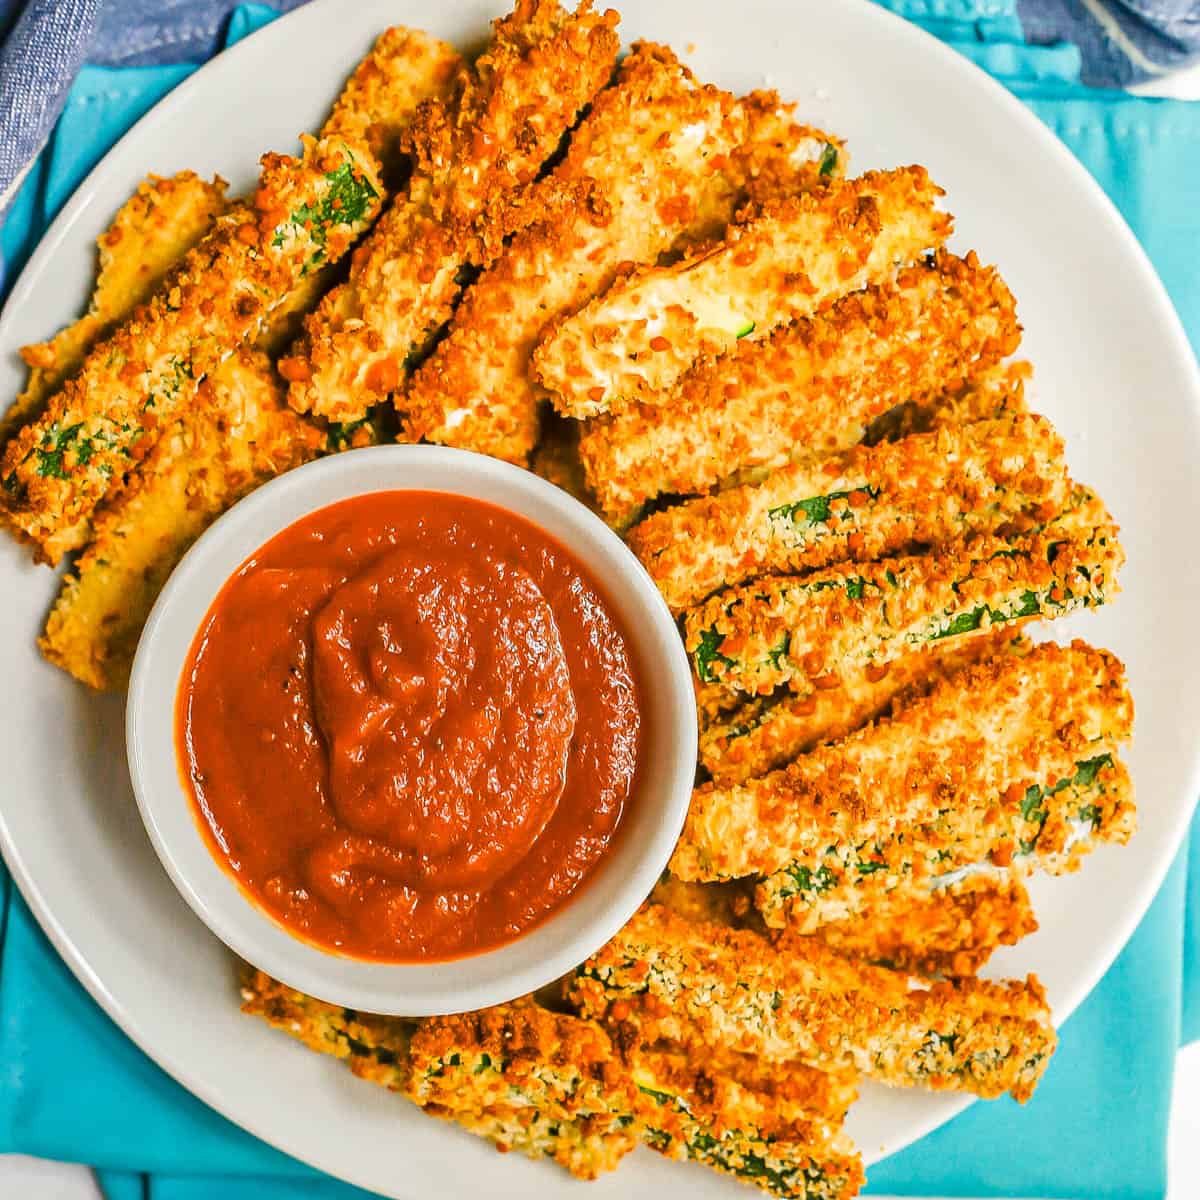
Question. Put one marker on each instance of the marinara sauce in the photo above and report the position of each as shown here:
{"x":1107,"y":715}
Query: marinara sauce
{"x":410,"y":724}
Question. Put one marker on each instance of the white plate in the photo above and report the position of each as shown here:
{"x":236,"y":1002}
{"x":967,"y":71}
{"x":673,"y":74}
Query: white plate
{"x":1114,"y":371}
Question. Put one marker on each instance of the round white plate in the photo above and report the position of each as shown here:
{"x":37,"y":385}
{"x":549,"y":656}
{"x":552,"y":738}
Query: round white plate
{"x":1114,"y":372}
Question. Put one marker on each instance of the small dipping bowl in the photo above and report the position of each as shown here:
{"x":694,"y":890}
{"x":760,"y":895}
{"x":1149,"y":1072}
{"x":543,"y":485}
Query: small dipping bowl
{"x":620,"y":881}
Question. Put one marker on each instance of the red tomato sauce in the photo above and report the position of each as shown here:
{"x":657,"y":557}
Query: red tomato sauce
{"x":410,"y":725}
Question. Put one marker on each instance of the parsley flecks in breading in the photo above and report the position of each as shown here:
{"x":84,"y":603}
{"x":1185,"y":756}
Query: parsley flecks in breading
{"x":829,"y":161}
{"x":347,"y":201}
{"x":708,"y":652}
{"x":816,"y":509}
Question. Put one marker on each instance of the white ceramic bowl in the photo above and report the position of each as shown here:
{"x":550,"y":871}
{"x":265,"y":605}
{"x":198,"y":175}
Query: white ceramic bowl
{"x":622,"y":880}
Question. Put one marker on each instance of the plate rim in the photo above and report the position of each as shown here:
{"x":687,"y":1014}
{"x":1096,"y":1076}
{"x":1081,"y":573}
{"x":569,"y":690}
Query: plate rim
{"x":905,"y":34}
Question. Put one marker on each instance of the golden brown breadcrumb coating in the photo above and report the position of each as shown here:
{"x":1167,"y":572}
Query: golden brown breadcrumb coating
{"x":773,"y":1129}
{"x":951,"y":930}
{"x":378,"y":101}
{"x":473,"y":152}
{"x":635,"y":341}
{"x":659,"y":161}
{"x":552,"y":1085}
{"x":763,"y":734}
{"x":150,"y":233}
{"x":812,"y":387}
{"x":858,"y":505}
{"x":806,"y":631}
{"x":992,"y":727}
{"x":1050,"y":825}
{"x":701,"y":985}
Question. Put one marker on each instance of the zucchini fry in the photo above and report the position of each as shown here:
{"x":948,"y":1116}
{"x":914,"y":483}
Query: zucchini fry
{"x":813,"y":387}
{"x":151,"y":231}
{"x":1050,"y":826}
{"x":377,"y":103}
{"x":546,"y":1084}
{"x":780,"y":1134}
{"x":951,"y":930}
{"x":703,"y":986}
{"x":982,"y":736}
{"x":858,"y":505}
{"x":806,"y":631}
{"x":764,"y":734}
{"x":658,"y":161}
{"x":306,"y":212}
{"x":376,"y":1047}
{"x":240,"y":435}
{"x":473,"y":153}
{"x":636,"y":341}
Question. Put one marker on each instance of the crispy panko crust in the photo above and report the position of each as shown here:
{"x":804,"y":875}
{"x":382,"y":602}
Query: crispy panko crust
{"x":777,"y":1132}
{"x":376,"y":1047}
{"x":858,"y":505}
{"x":552,"y":1085}
{"x":813,"y":387}
{"x":992,"y":727}
{"x":950,"y":930}
{"x":547,"y":1084}
{"x":659,"y":161}
{"x":376,"y":106}
{"x":764,"y":734}
{"x":1033,"y":825}
{"x":473,"y":152}
{"x":305,"y":212}
{"x":637,"y":340}
{"x":702,"y":985}
{"x":151,"y":231}
{"x":240,"y":434}
{"x":805,"y":631}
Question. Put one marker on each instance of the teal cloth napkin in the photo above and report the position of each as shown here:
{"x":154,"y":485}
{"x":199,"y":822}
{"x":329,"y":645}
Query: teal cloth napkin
{"x":72,"y":1087}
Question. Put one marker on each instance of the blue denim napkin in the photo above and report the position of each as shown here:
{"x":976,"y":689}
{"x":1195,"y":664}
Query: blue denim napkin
{"x":73,"y":1087}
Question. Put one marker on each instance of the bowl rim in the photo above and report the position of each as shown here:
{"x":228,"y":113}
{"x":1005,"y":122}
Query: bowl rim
{"x":615,"y":888}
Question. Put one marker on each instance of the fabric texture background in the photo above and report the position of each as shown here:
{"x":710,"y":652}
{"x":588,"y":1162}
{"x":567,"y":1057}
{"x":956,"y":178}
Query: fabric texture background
{"x":73,"y":1087}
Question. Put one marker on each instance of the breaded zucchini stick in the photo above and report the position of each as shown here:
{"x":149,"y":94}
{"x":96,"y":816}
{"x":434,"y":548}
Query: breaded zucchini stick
{"x":552,"y":1086}
{"x":764,"y":734}
{"x":1050,"y":826}
{"x":813,"y":387}
{"x":546,"y":1084}
{"x":701,"y":986}
{"x":376,"y":1047}
{"x":241,"y":435}
{"x":473,"y":152}
{"x":805,"y":631}
{"x":376,"y":106}
{"x":659,"y":160}
{"x":635,"y":342}
{"x":981,"y":736}
{"x":780,"y":1134}
{"x":951,"y":930}
{"x":150,"y":233}
{"x":858,"y":505}
{"x":306,"y":212}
